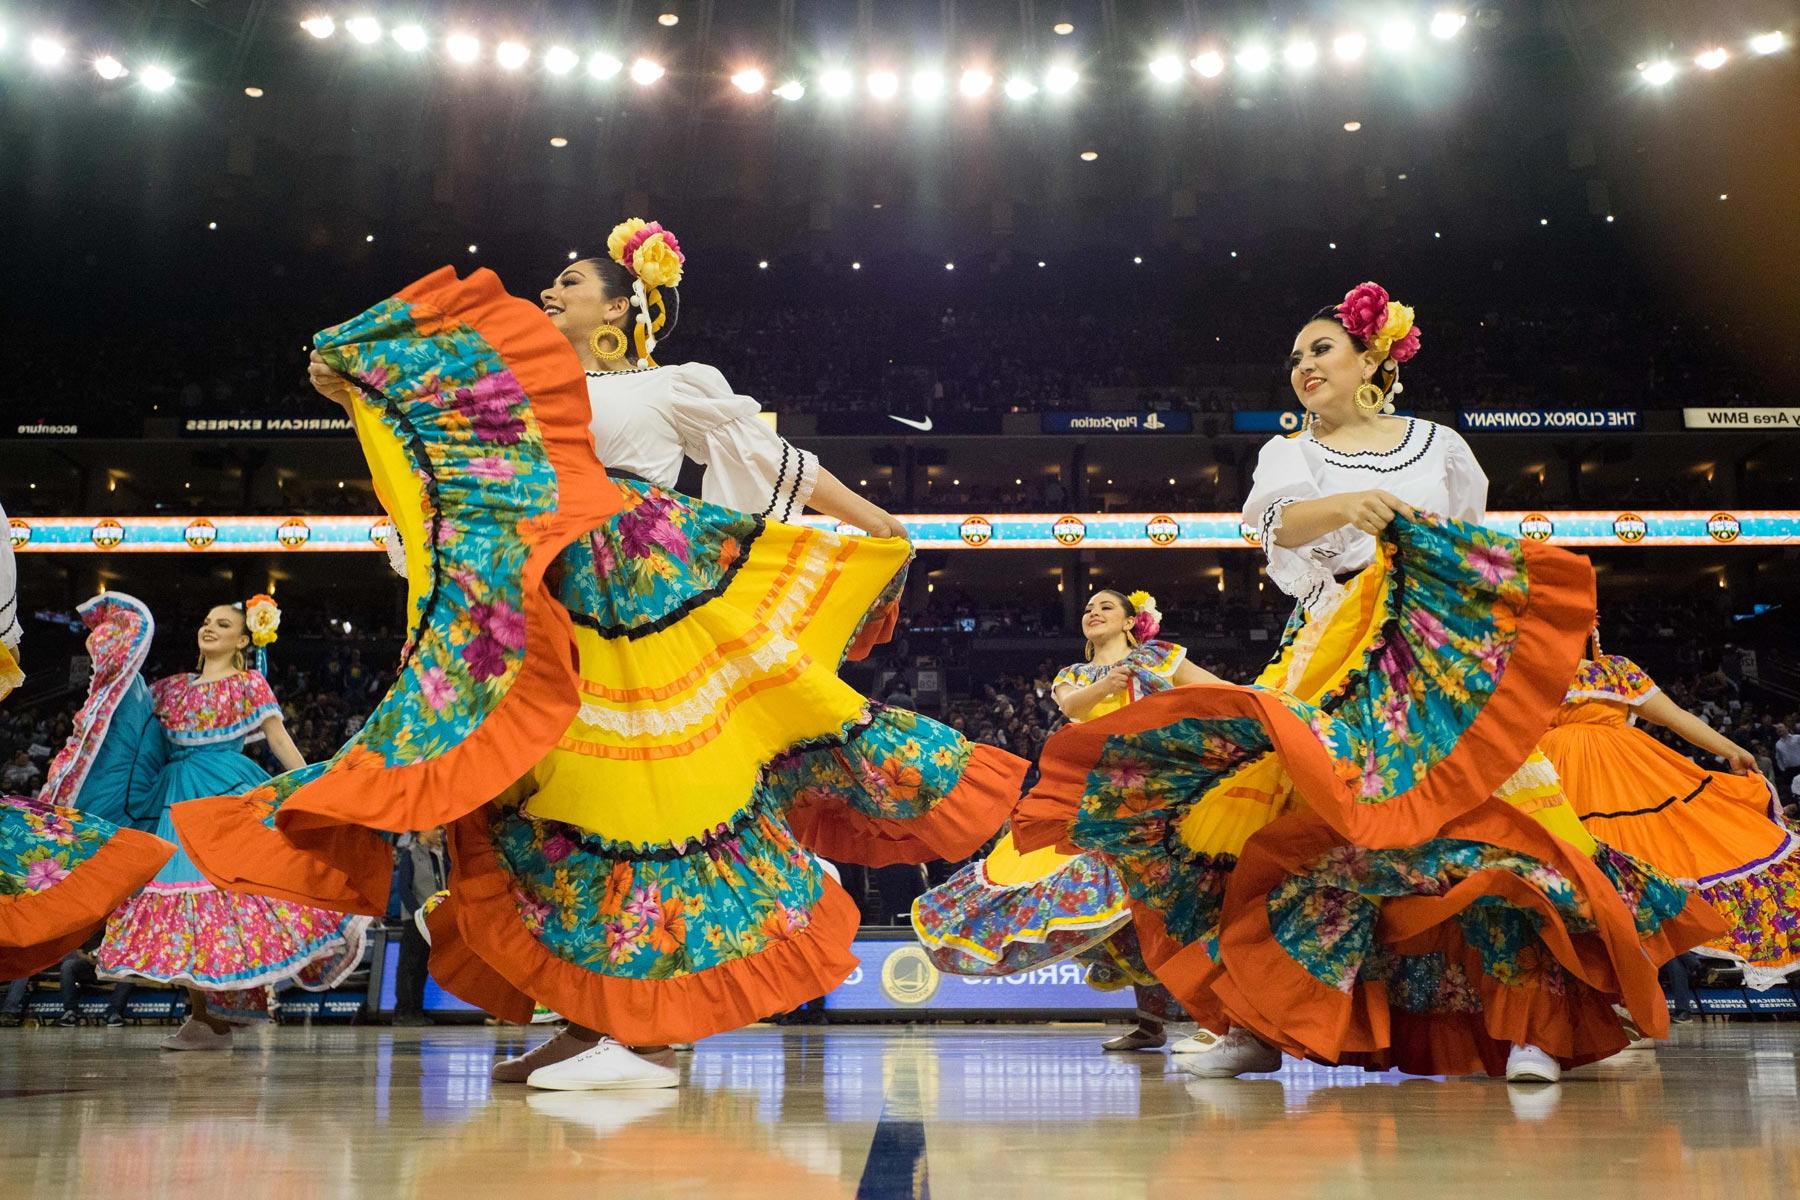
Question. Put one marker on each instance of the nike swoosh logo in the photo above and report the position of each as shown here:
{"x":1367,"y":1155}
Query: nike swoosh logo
{"x":922,"y":426}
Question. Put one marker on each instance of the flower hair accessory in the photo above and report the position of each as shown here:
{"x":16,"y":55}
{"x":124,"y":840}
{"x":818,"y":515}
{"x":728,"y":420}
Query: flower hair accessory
{"x":262,"y":617}
{"x":1385,"y":326}
{"x":654,"y":259}
{"x":1147,"y":622}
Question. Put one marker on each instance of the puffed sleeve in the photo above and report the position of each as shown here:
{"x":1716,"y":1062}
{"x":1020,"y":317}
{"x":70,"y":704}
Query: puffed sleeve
{"x":1283,"y":477}
{"x":1467,"y":482}
{"x":11,"y":630}
{"x":1069,"y":675}
{"x":748,"y":466}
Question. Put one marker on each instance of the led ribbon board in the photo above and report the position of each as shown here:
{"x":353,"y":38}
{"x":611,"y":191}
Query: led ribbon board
{"x":973,"y":531}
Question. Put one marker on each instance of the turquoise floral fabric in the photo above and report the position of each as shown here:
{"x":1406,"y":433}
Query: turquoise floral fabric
{"x":658,"y":917}
{"x":41,"y":845}
{"x":463,"y":416}
{"x":660,"y":557}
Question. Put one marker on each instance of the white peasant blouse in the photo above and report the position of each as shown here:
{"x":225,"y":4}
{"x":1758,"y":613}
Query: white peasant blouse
{"x":645,"y":421}
{"x":1432,"y":469}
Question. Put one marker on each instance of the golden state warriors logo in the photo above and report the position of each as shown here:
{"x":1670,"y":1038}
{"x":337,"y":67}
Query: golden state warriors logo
{"x":107,"y":534}
{"x":1251,"y":534}
{"x":1723,"y":527}
{"x":381,"y":532}
{"x":294,"y":533}
{"x":1537,"y":527}
{"x":907,"y":977}
{"x":1069,"y":530}
{"x":1162,"y":530}
{"x":1289,"y":421}
{"x":201,"y":533}
{"x":976,"y":531}
{"x":1629,"y":527}
{"x":19,"y":531}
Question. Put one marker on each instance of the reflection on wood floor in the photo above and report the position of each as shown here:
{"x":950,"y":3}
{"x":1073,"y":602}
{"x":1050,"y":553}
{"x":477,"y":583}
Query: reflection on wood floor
{"x":877,"y":1112}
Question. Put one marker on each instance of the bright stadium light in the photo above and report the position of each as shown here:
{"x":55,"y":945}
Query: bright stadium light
{"x":1020,"y":88}
{"x":1166,"y":68}
{"x":1399,"y":35}
{"x":1712,"y":60}
{"x":1447,"y":24}
{"x":108,"y":67}
{"x":645,"y":72}
{"x":463,"y":47}
{"x":158,"y":78}
{"x":749,"y":81}
{"x":792,"y":90}
{"x":1768,"y":43}
{"x":837,"y":83}
{"x":602,"y":65}
{"x":975,"y":83}
{"x":1209,"y":63}
{"x":884,"y":85}
{"x":48,"y":52}
{"x":366,"y":30}
{"x":321,"y":26}
{"x":1657,"y":73}
{"x":411,"y":38}
{"x":928,"y":85}
{"x":560,"y":60}
{"x":512,"y":55}
{"x":1254,"y":58}
{"x":1349,"y":47}
{"x":1061,"y":79}
{"x":1300,"y":55}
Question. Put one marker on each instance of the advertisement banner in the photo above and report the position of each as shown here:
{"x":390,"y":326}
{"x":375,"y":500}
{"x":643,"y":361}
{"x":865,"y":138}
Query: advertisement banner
{"x":898,"y":976}
{"x":904,"y":423}
{"x":928,"y":531}
{"x":1741,"y":418}
{"x":43,"y":429}
{"x":1116,"y":422}
{"x":1266,"y":421}
{"x":1550,"y":420}
{"x":226,"y":427}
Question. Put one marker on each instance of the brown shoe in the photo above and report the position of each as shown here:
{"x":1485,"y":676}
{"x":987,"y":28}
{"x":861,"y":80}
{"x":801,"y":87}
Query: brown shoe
{"x":1135,"y":1039}
{"x":197,"y":1035}
{"x":559,"y":1048}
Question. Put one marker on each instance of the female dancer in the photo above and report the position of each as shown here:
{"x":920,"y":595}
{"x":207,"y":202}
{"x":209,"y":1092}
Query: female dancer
{"x":632,"y":840}
{"x":1014,"y":912}
{"x":1721,"y":834}
{"x":61,"y":870}
{"x":1343,"y":862}
{"x":180,"y":929}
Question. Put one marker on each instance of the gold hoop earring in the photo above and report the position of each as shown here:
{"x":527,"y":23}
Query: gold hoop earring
{"x":237,"y":660}
{"x":1088,"y":650}
{"x":608,"y":343}
{"x":1369,"y":397}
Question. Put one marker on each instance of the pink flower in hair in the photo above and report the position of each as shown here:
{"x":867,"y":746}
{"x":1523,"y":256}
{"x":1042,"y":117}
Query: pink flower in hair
{"x":1364,"y":310}
{"x":1146,"y":625}
{"x":1403,"y":350}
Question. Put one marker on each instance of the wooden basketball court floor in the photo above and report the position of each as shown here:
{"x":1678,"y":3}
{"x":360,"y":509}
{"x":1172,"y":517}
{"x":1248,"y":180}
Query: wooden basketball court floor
{"x":876,"y":1112}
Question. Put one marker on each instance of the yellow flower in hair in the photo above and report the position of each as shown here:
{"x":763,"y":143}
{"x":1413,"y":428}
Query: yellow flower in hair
{"x":1141,"y":600}
{"x":656,"y":263}
{"x":621,"y":234}
{"x":1399,"y":324}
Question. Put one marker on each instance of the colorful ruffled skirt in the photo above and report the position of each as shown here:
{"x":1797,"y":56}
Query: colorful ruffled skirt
{"x":623,"y":704}
{"x":1718,"y":833}
{"x":1342,"y":859}
{"x":182,"y":930}
{"x":1013,"y":912}
{"x":61,"y":873}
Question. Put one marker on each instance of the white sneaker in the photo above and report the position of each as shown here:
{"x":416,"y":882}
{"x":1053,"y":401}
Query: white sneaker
{"x":607,"y":1066}
{"x":1238,"y":1052}
{"x":1528,"y":1064}
{"x":1193,"y":1044}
